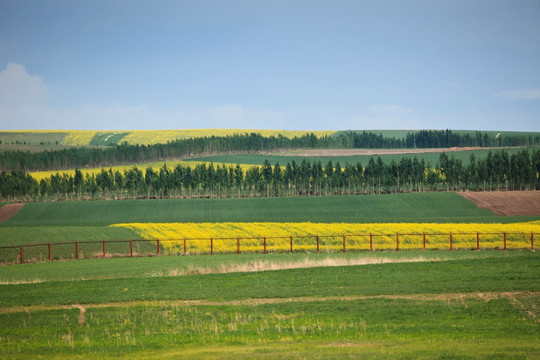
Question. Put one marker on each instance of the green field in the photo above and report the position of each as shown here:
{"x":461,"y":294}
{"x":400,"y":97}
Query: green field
{"x":288,"y":157}
{"x":447,"y":305}
{"x":33,"y":138}
{"x":108,"y":138}
{"x":412,"y":207}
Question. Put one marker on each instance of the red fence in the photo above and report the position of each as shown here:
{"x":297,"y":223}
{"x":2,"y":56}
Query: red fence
{"x":72,"y":250}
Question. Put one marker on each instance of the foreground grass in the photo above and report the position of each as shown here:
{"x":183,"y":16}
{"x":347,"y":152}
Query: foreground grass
{"x":515,"y":271}
{"x":146,"y":267}
{"x":461,"y":304}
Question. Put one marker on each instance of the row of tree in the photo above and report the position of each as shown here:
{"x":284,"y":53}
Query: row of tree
{"x":497,"y":171}
{"x":81,"y":157}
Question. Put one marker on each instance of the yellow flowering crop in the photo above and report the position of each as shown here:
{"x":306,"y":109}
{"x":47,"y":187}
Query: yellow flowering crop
{"x":82,"y":137}
{"x":155,"y":165}
{"x":147,"y":137}
{"x":357,"y":236}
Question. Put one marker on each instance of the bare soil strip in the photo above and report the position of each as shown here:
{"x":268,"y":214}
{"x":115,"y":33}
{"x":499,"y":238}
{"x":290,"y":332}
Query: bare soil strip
{"x":82,"y":316}
{"x":513,"y":297}
{"x":9,"y":210}
{"x":369,"y":152}
{"x":507,"y":203}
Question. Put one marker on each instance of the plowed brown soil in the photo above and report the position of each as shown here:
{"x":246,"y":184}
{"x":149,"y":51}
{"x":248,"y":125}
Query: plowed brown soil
{"x":9,"y":210}
{"x":507,"y":203}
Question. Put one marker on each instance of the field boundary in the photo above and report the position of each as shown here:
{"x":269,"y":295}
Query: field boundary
{"x":44,"y":251}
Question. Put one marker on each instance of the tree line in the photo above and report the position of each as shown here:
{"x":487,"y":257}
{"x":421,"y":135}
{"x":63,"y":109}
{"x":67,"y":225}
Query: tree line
{"x":498,"y":171}
{"x":83,"y":157}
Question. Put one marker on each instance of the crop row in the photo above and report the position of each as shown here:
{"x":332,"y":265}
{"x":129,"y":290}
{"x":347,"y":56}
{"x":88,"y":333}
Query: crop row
{"x":282,"y":236}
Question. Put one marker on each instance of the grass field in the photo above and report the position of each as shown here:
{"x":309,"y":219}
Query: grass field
{"x":389,"y":208}
{"x":409,"y":305}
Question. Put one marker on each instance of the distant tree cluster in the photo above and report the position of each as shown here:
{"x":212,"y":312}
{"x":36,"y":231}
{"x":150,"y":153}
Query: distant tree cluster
{"x":497,"y":171}
{"x":82,"y":157}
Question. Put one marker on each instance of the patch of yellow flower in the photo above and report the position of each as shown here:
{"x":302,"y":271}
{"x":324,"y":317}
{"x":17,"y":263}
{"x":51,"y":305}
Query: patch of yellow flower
{"x":82,"y":137}
{"x":148,"y":137}
{"x":156,"y":165}
{"x":331,"y":236}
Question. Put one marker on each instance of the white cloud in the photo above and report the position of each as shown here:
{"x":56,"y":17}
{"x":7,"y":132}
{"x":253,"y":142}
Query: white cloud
{"x":519,"y":94}
{"x":19,"y":90}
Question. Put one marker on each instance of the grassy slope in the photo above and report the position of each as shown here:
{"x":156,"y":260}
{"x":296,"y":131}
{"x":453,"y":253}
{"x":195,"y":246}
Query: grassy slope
{"x":327,"y":326}
{"x":432,"y":158}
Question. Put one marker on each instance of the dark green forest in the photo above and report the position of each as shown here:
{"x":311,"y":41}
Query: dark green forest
{"x":81,"y":157}
{"x":498,"y":171}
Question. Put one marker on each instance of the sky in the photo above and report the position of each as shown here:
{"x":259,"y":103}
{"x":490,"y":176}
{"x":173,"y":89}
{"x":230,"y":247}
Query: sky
{"x":294,"y":65}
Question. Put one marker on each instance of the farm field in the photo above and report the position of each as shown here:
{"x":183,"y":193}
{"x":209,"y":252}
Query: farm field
{"x":359,"y":304}
{"x":433,"y":207}
{"x":432,"y":305}
{"x":311,"y":237}
{"x":142,"y":137}
{"x":90,"y":221}
{"x":429,"y":156}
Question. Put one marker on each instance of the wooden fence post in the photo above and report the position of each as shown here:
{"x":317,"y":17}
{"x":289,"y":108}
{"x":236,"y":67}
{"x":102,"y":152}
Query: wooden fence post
{"x":504,"y":241}
{"x":477,"y":241}
{"x":77,"y":250}
{"x":21,"y":254}
{"x":211,"y":246}
{"x":344,"y":243}
{"x":424,"y":241}
{"x":532,"y":241}
{"x":130,"y":248}
{"x":157,"y":245}
{"x":291,"y":244}
{"x":185,"y":246}
{"x":317,"y":244}
{"x":265,"y":244}
{"x":370,"y":241}
{"x":49,"y":251}
{"x":104,"y":249}
{"x":451,"y":242}
{"x":238,"y":246}
{"x":397,"y":242}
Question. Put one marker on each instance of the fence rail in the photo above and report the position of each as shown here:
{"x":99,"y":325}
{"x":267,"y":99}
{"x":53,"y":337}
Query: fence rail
{"x":156,"y":247}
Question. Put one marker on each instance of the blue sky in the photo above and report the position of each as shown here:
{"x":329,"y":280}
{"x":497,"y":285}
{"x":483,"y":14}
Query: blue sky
{"x":298,"y":65}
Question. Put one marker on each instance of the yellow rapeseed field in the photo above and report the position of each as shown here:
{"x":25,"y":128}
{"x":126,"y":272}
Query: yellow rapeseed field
{"x":156,"y":165}
{"x":82,"y":137}
{"x":357,"y":236}
{"x":148,"y":137}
